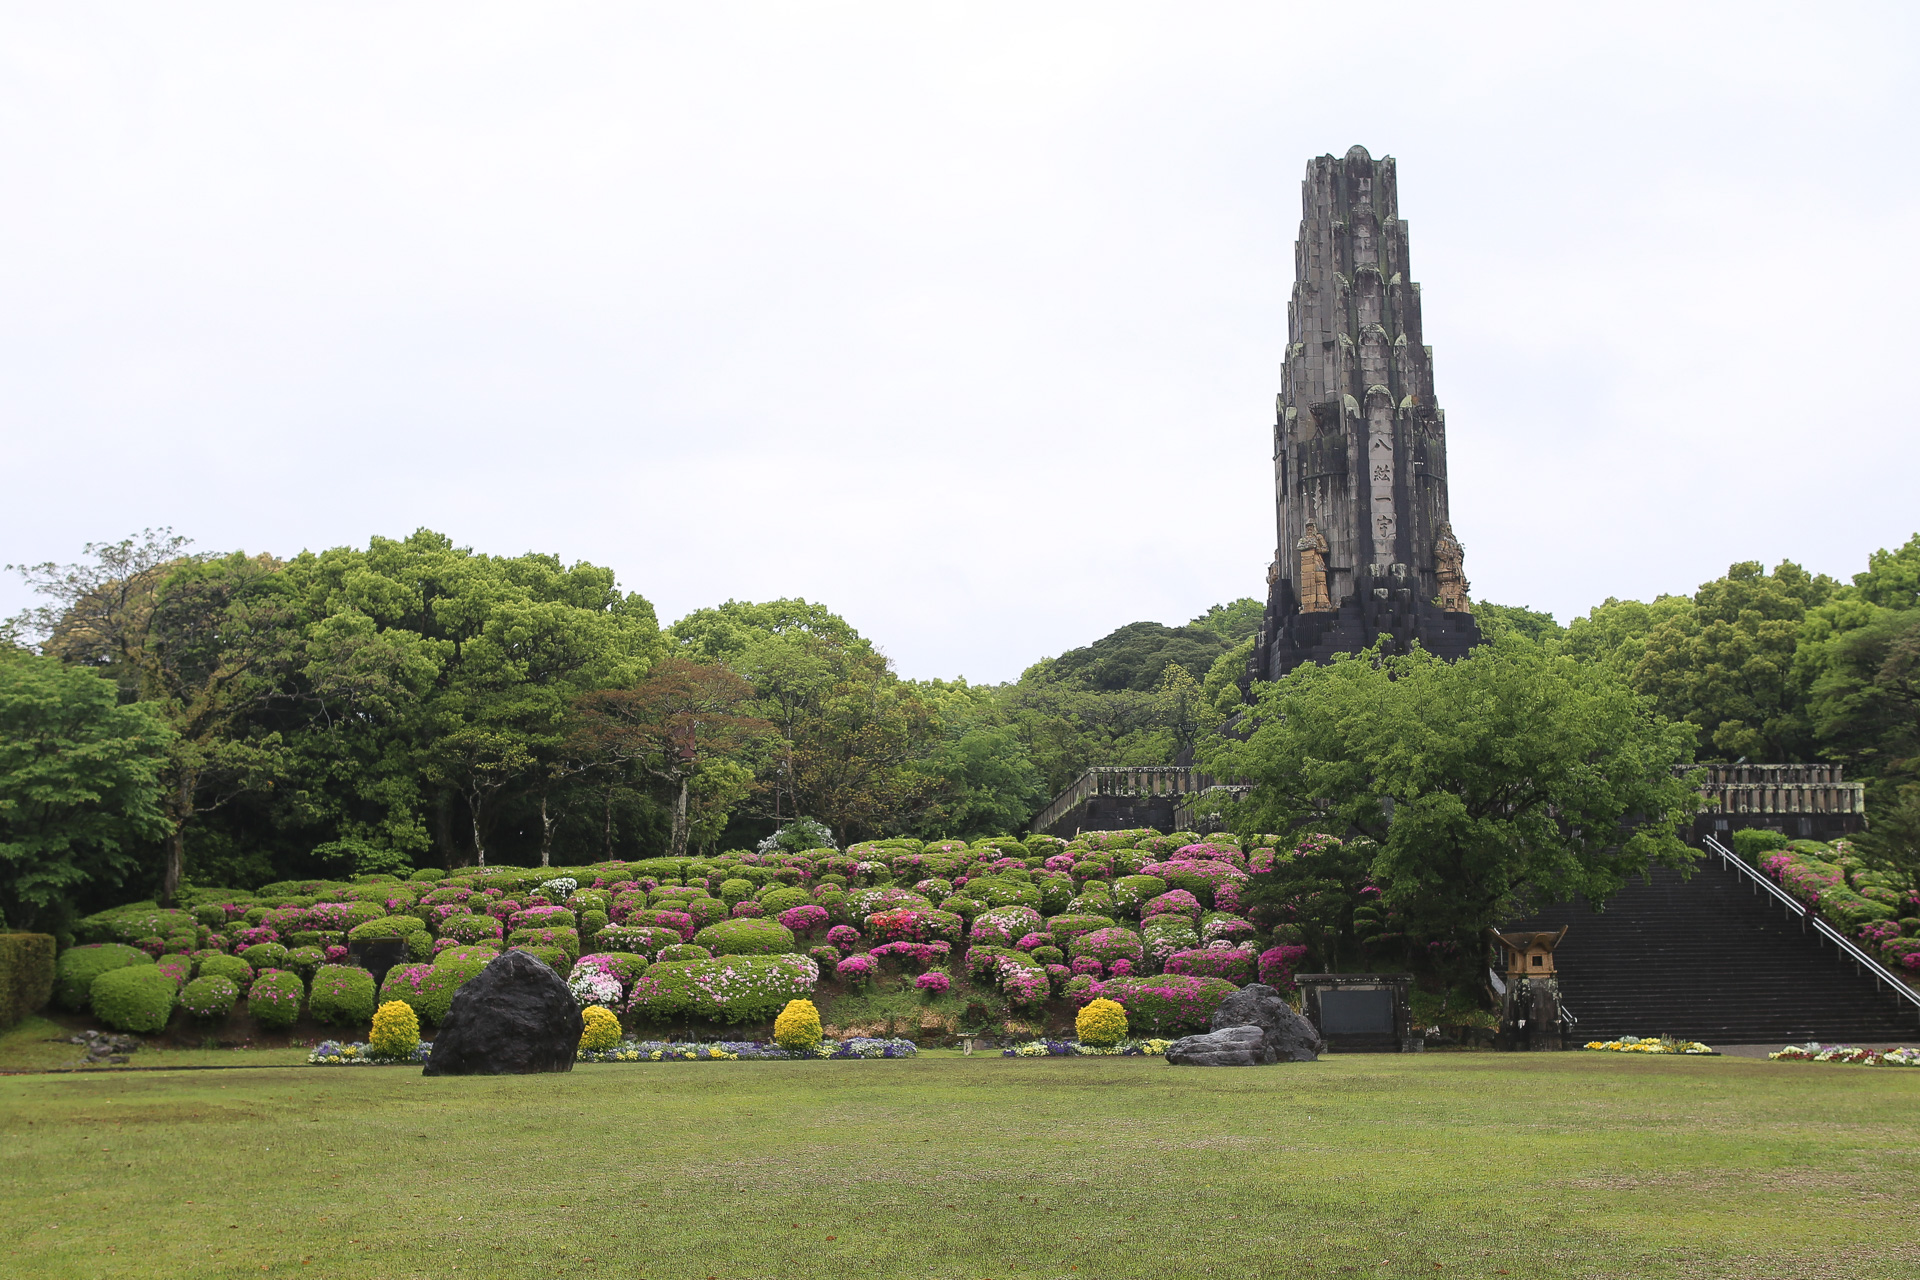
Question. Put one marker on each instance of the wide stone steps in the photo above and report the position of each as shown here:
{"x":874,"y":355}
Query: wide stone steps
{"x":1710,"y":958}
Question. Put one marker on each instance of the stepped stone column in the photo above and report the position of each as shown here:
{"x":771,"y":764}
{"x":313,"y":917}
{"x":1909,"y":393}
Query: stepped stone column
{"x":1359,"y":441}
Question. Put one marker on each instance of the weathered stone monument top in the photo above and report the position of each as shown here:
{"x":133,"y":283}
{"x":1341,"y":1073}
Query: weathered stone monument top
{"x":1359,"y":442}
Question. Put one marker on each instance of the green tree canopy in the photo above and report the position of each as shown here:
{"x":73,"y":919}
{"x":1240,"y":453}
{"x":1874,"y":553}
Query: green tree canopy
{"x":1514,"y":774}
{"x":79,"y":787}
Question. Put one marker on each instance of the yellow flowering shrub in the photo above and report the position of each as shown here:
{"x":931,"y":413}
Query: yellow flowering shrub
{"x":396,"y":1030}
{"x":600,"y":1029}
{"x":798,"y":1026}
{"x":1102,"y":1022}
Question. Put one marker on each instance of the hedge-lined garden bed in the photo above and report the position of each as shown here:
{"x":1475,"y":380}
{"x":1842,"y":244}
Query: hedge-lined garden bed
{"x":1005,"y":936}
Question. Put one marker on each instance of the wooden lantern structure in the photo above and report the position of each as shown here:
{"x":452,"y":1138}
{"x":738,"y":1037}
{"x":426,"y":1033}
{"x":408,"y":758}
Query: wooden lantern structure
{"x":1530,"y":1006}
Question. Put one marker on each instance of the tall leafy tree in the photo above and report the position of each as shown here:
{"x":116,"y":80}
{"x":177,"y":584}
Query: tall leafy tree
{"x":79,"y":787}
{"x":1514,"y":774}
{"x":1727,"y":664}
{"x":677,"y":725}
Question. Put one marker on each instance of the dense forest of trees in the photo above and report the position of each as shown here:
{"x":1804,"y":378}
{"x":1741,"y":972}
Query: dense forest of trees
{"x":242,"y":718}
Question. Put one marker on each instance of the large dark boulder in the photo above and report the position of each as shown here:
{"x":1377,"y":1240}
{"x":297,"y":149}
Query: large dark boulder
{"x":1252,"y":1027}
{"x":1291,"y":1037}
{"x":516,"y":1017}
{"x":1227,"y":1047}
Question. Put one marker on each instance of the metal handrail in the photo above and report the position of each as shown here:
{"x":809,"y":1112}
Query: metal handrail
{"x":1729,"y":858}
{"x":1879,"y":971}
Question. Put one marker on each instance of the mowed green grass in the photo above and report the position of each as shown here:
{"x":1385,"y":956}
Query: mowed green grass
{"x":1546,"y":1165}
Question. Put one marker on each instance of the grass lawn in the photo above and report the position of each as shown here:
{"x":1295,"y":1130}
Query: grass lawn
{"x":1547,"y":1165}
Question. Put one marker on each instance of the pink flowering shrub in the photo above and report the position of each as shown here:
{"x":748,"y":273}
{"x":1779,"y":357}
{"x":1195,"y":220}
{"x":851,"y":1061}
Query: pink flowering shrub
{"x":1120,"y":968}
{"x":912,"y":956}
{"x":845,"y":937}
{"x":1025,"y":986}
{"x":1175,"y":902}
{"x":1277,"y":965}
{"x":1060,"y":862}
{"x":1228,"y":897}
{"x":1171,"y":1002}
{"x":910,"y":924}
{"x":1226,"y":929}
{"x":1058,"y":975}
{"x":1088,"y":965}
{"x":542,"y":918}
{"x":748,"y":910}
{"x":1079,"y":989}
{"x":335,"y":955}
{"x":933,"y":982}
{"x":856,"y":969}
{"x":679,"y":921}
{"x":804,"y":919}
{"x":1109,"y":945}
{"x":257,"y":934}
{"x":1031,"y":940}
{"x":1235,"y":964}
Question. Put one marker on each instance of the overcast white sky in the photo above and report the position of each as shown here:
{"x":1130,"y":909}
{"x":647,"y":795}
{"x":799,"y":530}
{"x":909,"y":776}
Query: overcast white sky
{"x":964,"y":319}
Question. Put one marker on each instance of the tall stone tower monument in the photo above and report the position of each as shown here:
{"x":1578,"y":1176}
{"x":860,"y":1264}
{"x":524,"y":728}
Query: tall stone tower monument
{"x":1359,"y":443}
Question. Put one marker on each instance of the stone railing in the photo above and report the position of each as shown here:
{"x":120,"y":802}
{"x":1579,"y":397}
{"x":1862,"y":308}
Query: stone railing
{"x":1125,"y":780}
{"x":1781,"y":788}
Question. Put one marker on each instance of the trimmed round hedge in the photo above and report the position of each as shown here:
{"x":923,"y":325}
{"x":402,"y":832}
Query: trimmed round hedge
{"x":747,"y":937}
{"x":264,"y":955}
{"x":75,"y":971}
{"x":471,"y":928}
{"x":683,"y":951}
{"x":273,"y":1000}
{"x":210,"y":998}
{"x":133,"y":998}
{"x":233,"y":968}
{"x":724,"y":989}
{"x":342,"y":995}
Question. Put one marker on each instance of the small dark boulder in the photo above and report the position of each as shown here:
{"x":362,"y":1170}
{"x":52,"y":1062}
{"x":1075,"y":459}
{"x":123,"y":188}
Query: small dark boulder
{"x":515,"y":1017}
{"x":1291,"y":1037}
{"x":1227,"y":1047}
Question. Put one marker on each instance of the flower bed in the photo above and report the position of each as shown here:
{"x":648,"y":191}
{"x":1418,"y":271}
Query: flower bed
{"x":353,"y":1053}
{"x":1074,"y":1049}
{"x":1652,"y":1044}
{"x":747,"y":1050}
{"x":1848,"y":1054}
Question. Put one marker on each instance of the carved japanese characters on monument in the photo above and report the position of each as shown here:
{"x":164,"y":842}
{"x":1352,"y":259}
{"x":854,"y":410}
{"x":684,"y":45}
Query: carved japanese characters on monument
{"x":1448,"y":557}
{"x":1359,"y":441}
{"x":1313,"y":571}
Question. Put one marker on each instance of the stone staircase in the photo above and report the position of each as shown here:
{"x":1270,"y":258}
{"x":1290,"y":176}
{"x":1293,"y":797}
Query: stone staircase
{"x":1713,"y":958}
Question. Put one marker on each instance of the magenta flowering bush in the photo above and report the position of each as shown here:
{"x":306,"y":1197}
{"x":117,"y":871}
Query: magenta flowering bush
{"x":1174,"y":902}
{"x":845,"y":937}
{"x":804,"y":919}
{"x":1120,"y":968}
{"x":1170,"y":1002}
{"x":933,"y":982}
{"x":934,"y":889}
{"x":748,"y":910}
{"x":913,"y":956}
{"x":1235,"y":964}
{"x":1229,"y":897}
{"x":1058,"y":975}
{"x":543,"y":918}
{"x":335,"y":954}
{"x":856,"y":969}
{"x":1200,"y":879}
{"x":437,"y":916}
{"x":1060,"y":862}
{"x":908,"y":924}
{"x":1079,"y":989}
{"x":679,"y":921}
{"x":1029,"y":941}
{"x":257,"y":934}
{"x":1087,"y":965}
{"x":1109,"y":945}
{"x":1278,"y":964}
{"x":1025,"y":987}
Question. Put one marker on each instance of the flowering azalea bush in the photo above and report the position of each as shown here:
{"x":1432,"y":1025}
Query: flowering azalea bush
{"x":1235,"y":964}
{"x":934,"y":982}
{"x":909,"y":924}
{"x":1109,"y":945}
{"x":844,"y":937}
{"x":806,"y":919}
{"x":1277,"y":965}
{"x":1168,"y":1003}
{"x":724,"y":989}
{"x":999,"y":927}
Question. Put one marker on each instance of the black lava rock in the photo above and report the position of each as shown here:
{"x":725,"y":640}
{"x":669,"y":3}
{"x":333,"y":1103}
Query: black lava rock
{"x":1228,"y":1047}
{"x":516,"y":1017}
{"x":1291,"y":1037}
{"x":1251,"y":1028}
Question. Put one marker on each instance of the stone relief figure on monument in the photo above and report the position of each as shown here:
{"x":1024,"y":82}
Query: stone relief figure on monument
{"x":1448,"y":567}
{"x":1313,"y":571}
